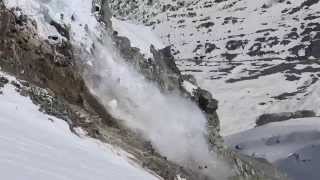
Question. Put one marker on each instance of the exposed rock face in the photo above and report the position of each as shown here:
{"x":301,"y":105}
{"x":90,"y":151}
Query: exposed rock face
{"x":209,"y":106}
{"x":51,"y":66}
{"x":228,"y":45}
{"x":276,"y":117}
{"x":54,"y":81}
{"x":163,"y":70}
{"x":55,"y":67}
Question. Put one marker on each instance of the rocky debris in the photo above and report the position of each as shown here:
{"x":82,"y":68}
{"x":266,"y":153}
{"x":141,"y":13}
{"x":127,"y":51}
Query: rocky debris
{"x":251,"y":168}
{"x":59,"y":90}
{"x":168,"y":72}
{"x":284,"y":116}
{"x":205,"y":101}
{"x":190,"y":78}
{"x":159,"y":70}
{"x":32,"y":59}
{"x":47,"y":65}
{"x":47,"y":101}
{"x":209,"y":106}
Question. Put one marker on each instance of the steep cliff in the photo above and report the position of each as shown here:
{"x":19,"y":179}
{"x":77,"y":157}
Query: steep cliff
{"x":61,"y":63}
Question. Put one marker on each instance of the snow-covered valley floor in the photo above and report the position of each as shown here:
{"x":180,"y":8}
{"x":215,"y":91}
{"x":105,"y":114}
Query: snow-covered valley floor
{"x":35,"y":146}
{"x":291,"y":145}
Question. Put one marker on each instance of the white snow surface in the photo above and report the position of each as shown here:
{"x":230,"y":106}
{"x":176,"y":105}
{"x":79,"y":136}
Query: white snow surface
{"x":140,"y":36}
{"x":240,"y":102}
{"x":36,"y":146}
{"x":188,"y":86}
{"x":82,"y":27}
{"x":279,"y":140}
{"x":207,"y":29}
{"x":128,"y":95}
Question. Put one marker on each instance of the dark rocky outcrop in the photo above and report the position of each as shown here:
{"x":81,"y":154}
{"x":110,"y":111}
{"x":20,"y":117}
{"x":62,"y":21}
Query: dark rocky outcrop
{"x":277,"y":117}
{"x":51,"y":66}
{"x":314,"y":49}
{"x":304,"y":4}
{"x":209,"y":105}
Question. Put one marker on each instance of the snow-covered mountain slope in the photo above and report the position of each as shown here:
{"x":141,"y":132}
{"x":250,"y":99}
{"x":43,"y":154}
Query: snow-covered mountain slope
{"x":166,"y":131}
{"x":52,"y":17}
{"x":255,"y":56}
{"x":139,"y":103}
{"x":292,"y":145}
{"x":34,"y":145}
{"x":140,"y":36}
{"x":276,"y":141}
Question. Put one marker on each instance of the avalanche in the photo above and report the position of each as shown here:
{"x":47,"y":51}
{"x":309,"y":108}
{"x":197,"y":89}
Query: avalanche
{"x":245,"y":52}
{"x":173,"y":124}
